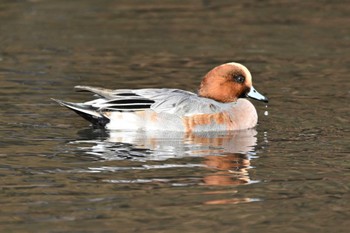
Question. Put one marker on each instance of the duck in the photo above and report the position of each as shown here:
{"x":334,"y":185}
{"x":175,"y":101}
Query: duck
{"x":220,"y":104}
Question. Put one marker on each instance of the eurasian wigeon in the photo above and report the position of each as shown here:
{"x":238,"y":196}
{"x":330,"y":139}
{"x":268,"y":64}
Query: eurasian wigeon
{"x":220,"y":105}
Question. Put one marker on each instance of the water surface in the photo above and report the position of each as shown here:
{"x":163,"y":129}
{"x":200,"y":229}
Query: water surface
{"x":290,"y":174}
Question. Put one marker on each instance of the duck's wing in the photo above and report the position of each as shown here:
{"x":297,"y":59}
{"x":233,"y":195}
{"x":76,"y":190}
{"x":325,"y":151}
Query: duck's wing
{"x":179,"y":102}
{"x":116,"y":100}
{"x":161,"y":100}
{"x":172,"y":101}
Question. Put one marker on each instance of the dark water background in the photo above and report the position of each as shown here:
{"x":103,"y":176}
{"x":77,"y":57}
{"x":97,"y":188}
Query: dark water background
{"x":290,"y":174}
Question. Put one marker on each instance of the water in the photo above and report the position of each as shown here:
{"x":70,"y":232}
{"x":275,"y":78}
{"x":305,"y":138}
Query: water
{"x":290,"y":174}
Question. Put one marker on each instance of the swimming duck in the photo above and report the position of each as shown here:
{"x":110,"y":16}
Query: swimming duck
{"x":220,"y":105}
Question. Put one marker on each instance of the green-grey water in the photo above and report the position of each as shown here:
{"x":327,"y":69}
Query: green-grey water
{"x":290,"y":174}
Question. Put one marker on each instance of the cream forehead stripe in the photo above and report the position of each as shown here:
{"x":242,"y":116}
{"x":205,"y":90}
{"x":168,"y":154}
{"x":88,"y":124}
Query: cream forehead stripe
{"x":248,"y":75}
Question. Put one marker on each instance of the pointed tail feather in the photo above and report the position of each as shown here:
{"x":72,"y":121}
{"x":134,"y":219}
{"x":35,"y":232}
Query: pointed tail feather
{"x":85,"y":111}
{"x":103,"y":92}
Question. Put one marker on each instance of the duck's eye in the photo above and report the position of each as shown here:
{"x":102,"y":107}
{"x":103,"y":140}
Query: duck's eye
{"x":239,"y":78}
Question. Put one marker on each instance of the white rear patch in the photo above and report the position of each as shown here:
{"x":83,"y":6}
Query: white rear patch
{"x":125,"y":121}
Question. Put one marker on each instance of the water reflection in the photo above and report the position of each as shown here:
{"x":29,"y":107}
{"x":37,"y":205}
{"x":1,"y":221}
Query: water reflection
{"x":158,"y":145}
{"x":232,"y":169}
{"x":225,"y":156}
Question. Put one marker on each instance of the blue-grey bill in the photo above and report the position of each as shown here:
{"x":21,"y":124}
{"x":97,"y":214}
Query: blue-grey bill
{"x":254,"y":94}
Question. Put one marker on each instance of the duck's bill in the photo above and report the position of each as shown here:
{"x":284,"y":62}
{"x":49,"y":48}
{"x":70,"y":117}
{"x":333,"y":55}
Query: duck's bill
{"x":254,"y":94}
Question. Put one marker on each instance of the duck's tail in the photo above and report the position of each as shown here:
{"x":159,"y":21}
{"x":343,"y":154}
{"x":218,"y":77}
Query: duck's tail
{"x":86,"y":111}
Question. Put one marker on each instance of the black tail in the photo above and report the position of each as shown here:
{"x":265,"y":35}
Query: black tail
{"x":86,"y":111}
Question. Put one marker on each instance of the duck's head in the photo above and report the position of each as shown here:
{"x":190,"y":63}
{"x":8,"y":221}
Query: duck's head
{"x":228,"y":82}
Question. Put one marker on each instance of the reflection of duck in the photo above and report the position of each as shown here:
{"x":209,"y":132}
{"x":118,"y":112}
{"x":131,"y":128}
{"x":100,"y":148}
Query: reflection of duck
{"x":231,"y":169}
{"x":226,"y":153}
{"x":225,"y":158}
{"x":219,"y":105}
{"x":161,"y":145}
